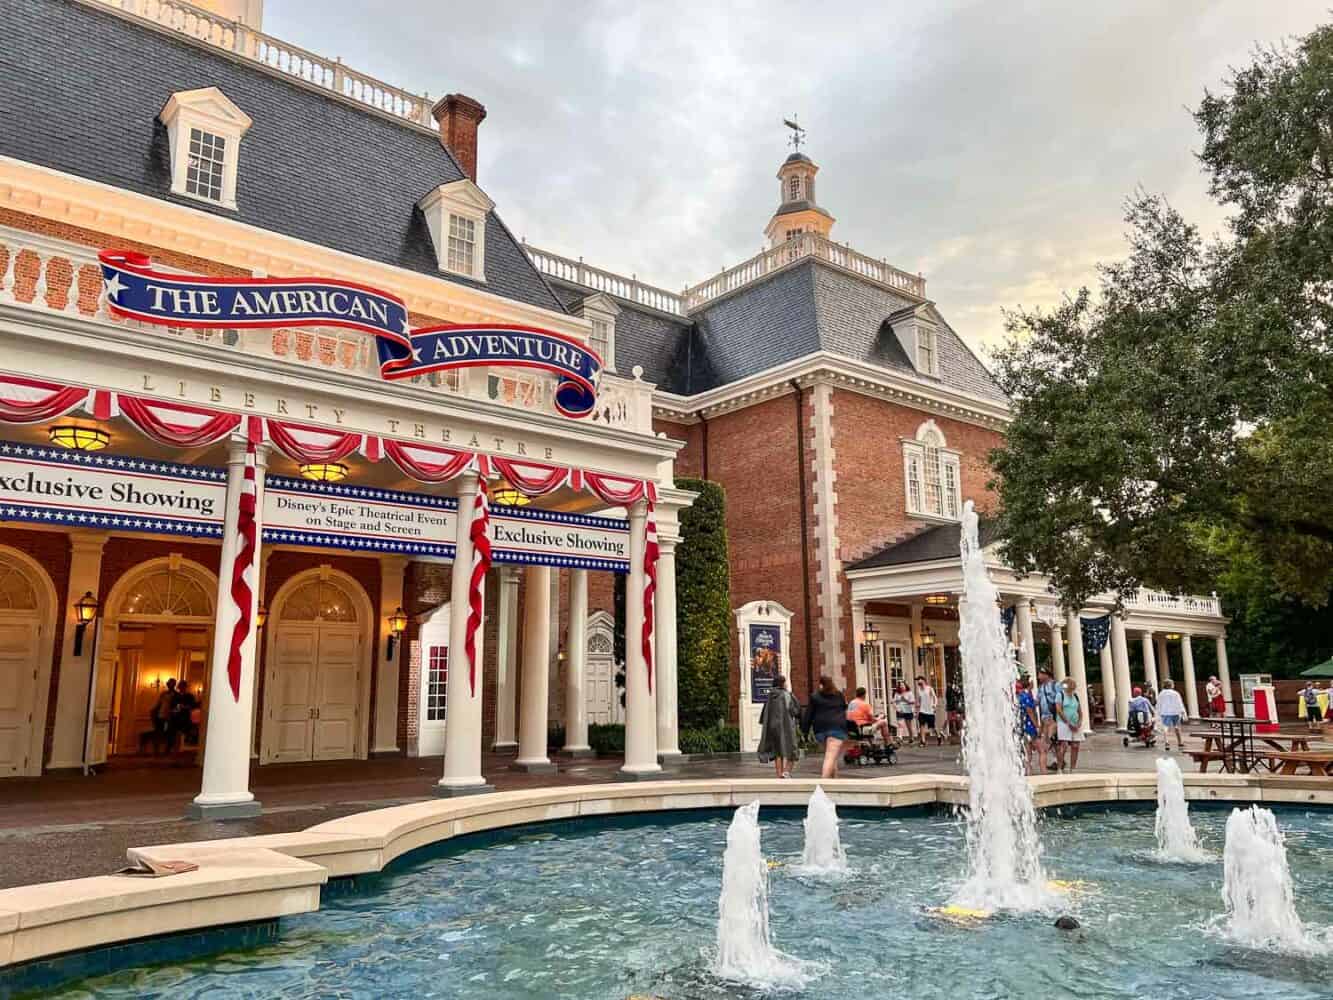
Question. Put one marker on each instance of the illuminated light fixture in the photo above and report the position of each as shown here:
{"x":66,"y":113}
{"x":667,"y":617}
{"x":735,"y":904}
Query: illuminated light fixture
{"x":938,"y":600}
{"x":927,"y":636}
{"x":79,"y":438}
{"x":324,"y":472}
{"x":261,"y":616}
{"x":1173,"y":636}
{"x":397,"y":626}
{"x":507,"y":496}
{"x":85,"y":612}
{"x":869,"y":636}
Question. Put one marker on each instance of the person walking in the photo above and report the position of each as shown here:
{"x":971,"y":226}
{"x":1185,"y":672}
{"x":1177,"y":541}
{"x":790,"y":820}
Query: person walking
{"x":182,"y":722}
{"x":160,"y":716}
{"x":1069,"y":726}
{"x":1171,"y":710}
{"x":1310,"y":698}
{"x":1049,"y":696}
{"x":826,"y":717}
{"x":927,"y":703}
{"x":904,"y":706}
{"x":1029,"y":726}
{"x":777,"y":728}
{"x":1217,"y":703}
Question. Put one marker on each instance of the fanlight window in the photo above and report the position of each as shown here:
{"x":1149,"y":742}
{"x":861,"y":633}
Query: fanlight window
{"x":932,"y":474}
{"x":319,"y":600}
{"x":168,"y":593}
{"x":599,"y":642}
{"x":16,"y":591}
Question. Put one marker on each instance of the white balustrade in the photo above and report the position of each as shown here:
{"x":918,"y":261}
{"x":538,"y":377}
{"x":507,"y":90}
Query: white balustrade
{"x":330,"y":74}
{"x":1184,"y":604}
{"x":631,"y":289}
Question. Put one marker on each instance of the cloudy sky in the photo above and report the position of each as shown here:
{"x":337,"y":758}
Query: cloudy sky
{"x":989,"y":145}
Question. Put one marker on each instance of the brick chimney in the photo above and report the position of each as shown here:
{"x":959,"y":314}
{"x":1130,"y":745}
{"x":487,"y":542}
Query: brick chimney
{"x":459,"y":117}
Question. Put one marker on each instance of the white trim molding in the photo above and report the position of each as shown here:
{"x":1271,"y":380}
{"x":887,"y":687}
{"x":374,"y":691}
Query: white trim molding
{"x":448,"y":207}
{"x":206,"y":117}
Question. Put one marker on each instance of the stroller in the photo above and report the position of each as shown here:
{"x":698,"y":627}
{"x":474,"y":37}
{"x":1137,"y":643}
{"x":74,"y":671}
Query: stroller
{"x":1140,"y":729}
{"x":862,"y":749}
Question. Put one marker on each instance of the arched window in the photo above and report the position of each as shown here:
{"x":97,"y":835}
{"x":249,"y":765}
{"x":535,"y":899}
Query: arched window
{"x":794,"y":187}
{"x":931,"y":473}
{"x":17,"y":592}
{"x":168,"y":593}
{"x":319,"y":600}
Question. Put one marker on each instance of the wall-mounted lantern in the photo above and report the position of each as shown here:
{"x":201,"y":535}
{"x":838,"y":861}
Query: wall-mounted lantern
{"x":85,"y":613}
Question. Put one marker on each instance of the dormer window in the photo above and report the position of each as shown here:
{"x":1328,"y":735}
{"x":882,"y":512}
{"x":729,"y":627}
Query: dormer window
{"x":926,"y":358}
{"x":456,"y":217}
{"x":931,"y":474}
{"x":204,"y":131}
{"x":918,"y":336}
{"x":601,"y":311}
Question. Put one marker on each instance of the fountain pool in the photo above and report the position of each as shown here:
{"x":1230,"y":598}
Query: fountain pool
{"x":611,"y":909}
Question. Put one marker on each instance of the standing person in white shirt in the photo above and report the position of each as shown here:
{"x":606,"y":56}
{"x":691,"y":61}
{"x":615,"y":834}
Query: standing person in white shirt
{"x":927,"y":701}
{"x":1171,"y":710}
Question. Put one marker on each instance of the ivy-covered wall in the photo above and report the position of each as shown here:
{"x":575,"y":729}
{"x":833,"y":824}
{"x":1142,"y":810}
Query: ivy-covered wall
{"x":703,"y":607}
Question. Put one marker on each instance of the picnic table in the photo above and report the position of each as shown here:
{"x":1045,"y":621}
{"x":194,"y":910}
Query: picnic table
{"x":1319,"y":764}
{"x":1238,"y":747}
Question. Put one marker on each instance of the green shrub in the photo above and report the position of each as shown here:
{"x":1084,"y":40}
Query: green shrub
{"x":609,"y":740}
{"x":712,"y":739}
{"x":703,"y":608}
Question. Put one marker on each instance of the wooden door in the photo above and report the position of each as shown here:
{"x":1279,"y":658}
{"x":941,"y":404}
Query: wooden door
{"x":337,"y":692}
{"x":98,"y":735}
{"x":291,"y":692}
{"x":18,"y":675}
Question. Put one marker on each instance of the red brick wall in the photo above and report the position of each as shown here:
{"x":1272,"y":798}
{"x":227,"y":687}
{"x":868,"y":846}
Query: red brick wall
{"x":690,"y":459}
{"x":51,"y":550}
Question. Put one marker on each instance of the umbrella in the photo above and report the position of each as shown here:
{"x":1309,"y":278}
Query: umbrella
{"x":1324,"y":669}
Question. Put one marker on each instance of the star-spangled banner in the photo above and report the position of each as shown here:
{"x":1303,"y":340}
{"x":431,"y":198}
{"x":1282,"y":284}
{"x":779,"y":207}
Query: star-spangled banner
{"x":1096,"y":631}
{"x":136,"y":290}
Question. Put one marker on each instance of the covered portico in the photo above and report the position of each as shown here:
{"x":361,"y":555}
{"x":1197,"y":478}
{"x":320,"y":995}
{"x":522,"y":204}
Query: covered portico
{"x":905,"y":602}
{"x":268,"y":494}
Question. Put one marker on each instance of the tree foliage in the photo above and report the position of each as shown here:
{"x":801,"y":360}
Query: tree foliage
{"x":1179,"y":423}
{"x":703,"y":607}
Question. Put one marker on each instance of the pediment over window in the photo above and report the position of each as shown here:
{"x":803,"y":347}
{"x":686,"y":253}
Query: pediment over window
{"x":456,"y":217}
{"x":209,"y":103}
{"x":205,"y":128}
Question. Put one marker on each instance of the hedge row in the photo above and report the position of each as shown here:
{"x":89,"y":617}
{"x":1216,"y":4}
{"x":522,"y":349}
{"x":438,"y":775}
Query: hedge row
{"x":703,"y":609}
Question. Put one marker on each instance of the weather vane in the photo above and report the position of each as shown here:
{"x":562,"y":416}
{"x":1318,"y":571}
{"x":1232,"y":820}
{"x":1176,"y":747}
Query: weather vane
{"x":797,"y":133}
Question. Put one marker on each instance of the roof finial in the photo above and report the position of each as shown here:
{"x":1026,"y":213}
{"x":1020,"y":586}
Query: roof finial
{"x":797,"y":133}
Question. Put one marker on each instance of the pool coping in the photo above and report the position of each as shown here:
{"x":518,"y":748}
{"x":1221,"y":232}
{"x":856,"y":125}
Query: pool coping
{"x":249,"y":879}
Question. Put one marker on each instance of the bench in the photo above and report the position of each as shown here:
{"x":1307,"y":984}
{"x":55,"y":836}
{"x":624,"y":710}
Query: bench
{"x":1318,"y":764}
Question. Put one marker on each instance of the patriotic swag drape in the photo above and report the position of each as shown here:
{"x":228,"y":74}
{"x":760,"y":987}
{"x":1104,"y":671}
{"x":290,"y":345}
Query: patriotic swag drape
{"x":29,"y":401}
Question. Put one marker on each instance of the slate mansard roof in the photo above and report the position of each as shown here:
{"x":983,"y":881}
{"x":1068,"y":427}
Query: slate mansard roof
{"x":943,"y":541}
{"x":82,"y":89}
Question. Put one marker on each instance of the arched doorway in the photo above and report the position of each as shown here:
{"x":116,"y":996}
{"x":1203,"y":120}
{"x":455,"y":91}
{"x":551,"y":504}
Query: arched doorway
{"x":27,"y":634}
{"x":317,"y":681}
{"x":434,"y":640}
{"x":603,"y":702}
{"x":158,"y":626}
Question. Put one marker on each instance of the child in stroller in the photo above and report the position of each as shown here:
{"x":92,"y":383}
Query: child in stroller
{"x":1140,"y":727}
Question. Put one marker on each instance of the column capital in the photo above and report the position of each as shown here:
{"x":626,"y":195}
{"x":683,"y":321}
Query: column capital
{"x":88,"y":541}
{"x":666,"y":546}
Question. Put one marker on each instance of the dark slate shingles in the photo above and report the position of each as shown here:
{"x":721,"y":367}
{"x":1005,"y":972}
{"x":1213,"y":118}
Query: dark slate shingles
{"x":933,"y":544}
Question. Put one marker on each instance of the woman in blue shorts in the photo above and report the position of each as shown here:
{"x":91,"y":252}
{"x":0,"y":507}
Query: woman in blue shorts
{"x":826,"y":715}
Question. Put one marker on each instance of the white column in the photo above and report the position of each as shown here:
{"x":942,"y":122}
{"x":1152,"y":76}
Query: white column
{"x":1058,"y":652}
{"x":576,"y":661}
{"x":1190,"y":681}
{"x":1078,"y":664}
{"x":1108,"y":683}
{"x":462,"y":729}
{"x":72,"y":696}
{"x":225,"y":793}
{"x":385,"y":737}
{"x":506,"y":663}
{"x":1149,"y":661}
{"x":862,"y":670}
{"x":664,"y":650}
{"x":533,"y":708}
{"x":1163,"y":657}
{"x":1224,"y":673}
{"x":1120,"y":655}
{"x":640,"y":707}
{"x":1027,"y":649}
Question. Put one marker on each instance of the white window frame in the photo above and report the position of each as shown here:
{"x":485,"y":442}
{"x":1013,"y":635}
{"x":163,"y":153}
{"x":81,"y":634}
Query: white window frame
{"x":210,"y":111}
{"x":601,"y":308}
{"x":466,"y":201}
{"x":793,"y":192}
{"x":430,"y":693}
{"x":930,"y":496}
{"x":927,"y":339}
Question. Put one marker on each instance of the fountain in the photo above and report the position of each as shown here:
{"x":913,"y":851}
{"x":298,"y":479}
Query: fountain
{"x":1176,"y":839}
{"x":1004,"y":855}
{"x":745,"y":952}
{"x":823,"y":854}
{"x":1257,"y":889}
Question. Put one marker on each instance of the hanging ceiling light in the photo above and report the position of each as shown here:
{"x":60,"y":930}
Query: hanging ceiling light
{"x":79,"y":438}
{"x":507,"y":496}
{"x":324,"y":472}
{"x":1173,"y":636}
{"x":938,"y":600}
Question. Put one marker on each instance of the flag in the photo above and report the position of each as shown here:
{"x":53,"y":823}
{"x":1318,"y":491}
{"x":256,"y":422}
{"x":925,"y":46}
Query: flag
{"x":481,"y":562}
{"x":243,"y":570}
{"x":650,"y":553}
{"x":1095,"y":633}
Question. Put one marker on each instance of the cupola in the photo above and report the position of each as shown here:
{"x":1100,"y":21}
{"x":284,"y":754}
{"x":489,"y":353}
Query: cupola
{"x":798,"y":212}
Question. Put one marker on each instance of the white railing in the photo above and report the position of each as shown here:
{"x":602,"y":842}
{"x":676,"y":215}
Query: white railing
{"x":631,"y":288}
{"x":798,"y":247}
{"x":45,"y":274}
{"x":1181,"y":604}
{"x":330,"y":74}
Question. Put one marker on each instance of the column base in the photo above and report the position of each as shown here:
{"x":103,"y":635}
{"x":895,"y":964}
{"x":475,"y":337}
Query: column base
{"x":224,"y":810}
{"x":534,"y":766}
{"x":669,"y":757}
{"x":453,"y":791}
{"x":504,"y":748}
{"x":658,"y":775}
{"x":577,"y":753}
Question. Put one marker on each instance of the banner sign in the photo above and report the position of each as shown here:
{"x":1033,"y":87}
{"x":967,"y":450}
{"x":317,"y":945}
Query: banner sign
{"x":553,"y":538}
{"x":765,"y":660}
{"x":134,"y":289}
{"x":57,"y":486}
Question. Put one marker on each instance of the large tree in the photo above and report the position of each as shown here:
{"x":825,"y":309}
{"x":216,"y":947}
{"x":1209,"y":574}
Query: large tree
{"x":1178,"y":423}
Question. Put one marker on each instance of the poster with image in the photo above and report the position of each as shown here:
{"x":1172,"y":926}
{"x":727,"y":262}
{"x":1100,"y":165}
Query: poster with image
{"x":765,"y":660}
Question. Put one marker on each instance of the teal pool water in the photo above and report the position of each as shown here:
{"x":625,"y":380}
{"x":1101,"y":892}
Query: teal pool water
{"x":609,"y":910}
